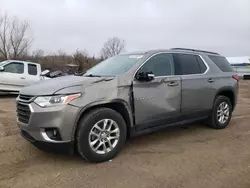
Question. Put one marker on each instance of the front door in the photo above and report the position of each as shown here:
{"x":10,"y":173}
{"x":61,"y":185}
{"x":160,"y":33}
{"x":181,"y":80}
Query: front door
{"x":157,"y":102}
{"x":13,"y":76}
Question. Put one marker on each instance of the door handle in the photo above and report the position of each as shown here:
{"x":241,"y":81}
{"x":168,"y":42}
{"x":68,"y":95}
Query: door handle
{"x":22,"y":78}
{"x":210,"y":80}
{"x":172,"y":84}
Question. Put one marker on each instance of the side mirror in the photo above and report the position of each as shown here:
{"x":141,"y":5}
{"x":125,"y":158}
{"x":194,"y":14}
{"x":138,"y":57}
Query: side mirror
{"x":145,"y":76}
{"x":1,"y":68}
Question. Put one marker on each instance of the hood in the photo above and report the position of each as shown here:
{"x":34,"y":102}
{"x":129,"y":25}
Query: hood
{"x":51,"y":86}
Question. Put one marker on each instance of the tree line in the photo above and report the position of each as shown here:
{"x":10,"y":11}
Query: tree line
{"x":16,"y":42}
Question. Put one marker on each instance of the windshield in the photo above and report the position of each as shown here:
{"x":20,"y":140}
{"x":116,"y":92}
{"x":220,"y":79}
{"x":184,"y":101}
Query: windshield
{"x":3,"y":63}
{"x":114,"y":66}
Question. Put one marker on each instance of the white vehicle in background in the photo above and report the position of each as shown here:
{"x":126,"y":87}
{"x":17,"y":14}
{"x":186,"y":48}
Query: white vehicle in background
{"x":16,"y":74}
{"x":240,"y":64}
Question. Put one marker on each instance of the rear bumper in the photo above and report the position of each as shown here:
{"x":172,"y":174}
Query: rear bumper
{"x":236,"y":95}
{"x":66,"y":148}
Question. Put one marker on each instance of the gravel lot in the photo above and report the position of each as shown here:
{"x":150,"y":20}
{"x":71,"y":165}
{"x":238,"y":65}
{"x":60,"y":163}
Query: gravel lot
{"x":191,"y":157}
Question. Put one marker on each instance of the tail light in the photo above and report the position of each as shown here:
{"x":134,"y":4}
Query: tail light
{"x":236,"y":77}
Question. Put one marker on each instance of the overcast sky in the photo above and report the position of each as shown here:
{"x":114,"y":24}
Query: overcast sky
{"x":219,"y":25}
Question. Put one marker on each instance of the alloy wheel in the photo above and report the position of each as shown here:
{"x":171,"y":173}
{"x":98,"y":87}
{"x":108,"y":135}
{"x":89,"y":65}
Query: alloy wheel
{"x":223,"y":112}
{"x":104,"y":136}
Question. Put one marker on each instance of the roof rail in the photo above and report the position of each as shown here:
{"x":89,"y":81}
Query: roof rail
{"x":194,"y":50}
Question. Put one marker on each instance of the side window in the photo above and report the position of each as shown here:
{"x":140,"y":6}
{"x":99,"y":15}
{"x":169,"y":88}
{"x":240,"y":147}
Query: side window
{"x":159,"y":65}
{"x":14,"y":67}
{"x":222,"y":63}
{"x":203,"y":67}
{"x":188,"y":64}
{"x":32,"y":69}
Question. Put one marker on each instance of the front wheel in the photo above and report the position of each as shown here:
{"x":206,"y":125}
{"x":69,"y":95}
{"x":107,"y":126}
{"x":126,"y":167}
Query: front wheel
{"x":221,"y":113}
{"x":101,"y":135}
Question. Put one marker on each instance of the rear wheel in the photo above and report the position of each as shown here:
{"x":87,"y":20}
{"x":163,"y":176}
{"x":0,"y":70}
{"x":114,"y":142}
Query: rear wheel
{"x":221,"y":113}
{"x":101,"y":135}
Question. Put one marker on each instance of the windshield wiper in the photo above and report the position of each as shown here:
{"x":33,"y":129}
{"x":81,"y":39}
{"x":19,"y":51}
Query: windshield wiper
{"x":92,"y":75}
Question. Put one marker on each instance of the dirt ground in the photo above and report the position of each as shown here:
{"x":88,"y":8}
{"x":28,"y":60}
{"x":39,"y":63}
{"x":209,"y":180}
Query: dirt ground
{"x":191,"y":157}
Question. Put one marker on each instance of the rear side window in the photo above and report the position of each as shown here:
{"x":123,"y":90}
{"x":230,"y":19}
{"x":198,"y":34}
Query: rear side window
{"x":187,"y":64}
{"x":203,"y":67}
{"x":32,"y":69}
{"x":222,"y":63}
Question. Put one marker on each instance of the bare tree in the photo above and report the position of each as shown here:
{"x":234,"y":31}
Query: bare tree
{"x":14,"y":39}
{"x":18,"y":38}
{"x":81,"y":59}
{"x":38,"y":53}
{"x":4,"y":36}
{"x":112,"y":47}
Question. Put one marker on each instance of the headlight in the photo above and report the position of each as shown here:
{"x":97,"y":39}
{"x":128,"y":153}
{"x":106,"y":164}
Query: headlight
{"x":49,"y":101}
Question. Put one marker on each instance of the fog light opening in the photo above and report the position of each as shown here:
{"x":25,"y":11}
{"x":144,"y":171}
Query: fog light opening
{"x":53,"y":134}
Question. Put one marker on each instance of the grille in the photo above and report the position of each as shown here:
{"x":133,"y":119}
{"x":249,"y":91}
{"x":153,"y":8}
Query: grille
{"x":23,"y":112}
{"x":25,"y":98}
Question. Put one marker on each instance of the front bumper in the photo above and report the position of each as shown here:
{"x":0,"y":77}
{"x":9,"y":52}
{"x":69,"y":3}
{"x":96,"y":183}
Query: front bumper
{"x":66,"y":148}
{"x":61,"y":118}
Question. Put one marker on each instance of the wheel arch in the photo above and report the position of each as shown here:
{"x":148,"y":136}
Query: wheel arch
{"x":118,"y":105}
{"x":228,"y":92}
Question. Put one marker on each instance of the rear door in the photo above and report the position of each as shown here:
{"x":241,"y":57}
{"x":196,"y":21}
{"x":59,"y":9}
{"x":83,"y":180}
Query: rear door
{"x":13,"y":76}
{"x":33,"y":74}
{"x":157,"y":102}
{"x":197,"y":89}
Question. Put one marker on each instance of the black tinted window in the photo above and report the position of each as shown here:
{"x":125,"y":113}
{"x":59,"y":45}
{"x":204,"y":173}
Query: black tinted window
{"x":222,"y":63}
{"x":187,"y":64}
{"x":14,"y":67}
{"x":159,"y":65}
{"x":32,"y":69}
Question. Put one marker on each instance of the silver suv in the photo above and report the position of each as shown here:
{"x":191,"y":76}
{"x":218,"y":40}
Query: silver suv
{"x":124,"y":96}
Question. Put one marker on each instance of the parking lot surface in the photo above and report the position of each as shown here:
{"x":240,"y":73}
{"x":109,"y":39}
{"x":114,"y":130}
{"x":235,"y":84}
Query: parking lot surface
{"x":193,"y":156}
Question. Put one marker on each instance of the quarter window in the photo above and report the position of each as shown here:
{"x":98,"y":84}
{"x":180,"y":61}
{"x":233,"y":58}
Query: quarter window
{"x":203,"y":67}
{"x":14,"y":67}
{"x":32,"y":69}
{"x":222,"y":63}
{"x":159,"y":65}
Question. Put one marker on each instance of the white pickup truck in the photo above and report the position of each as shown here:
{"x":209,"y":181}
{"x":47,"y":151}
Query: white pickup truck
{"x":16,"y":74}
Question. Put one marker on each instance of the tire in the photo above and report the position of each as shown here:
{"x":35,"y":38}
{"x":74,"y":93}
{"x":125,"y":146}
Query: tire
{"x":87,"y":125}
{"x":213,"y":121}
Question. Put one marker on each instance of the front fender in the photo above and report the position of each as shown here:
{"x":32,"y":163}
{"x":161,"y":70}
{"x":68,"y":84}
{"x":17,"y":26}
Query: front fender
{"x":102,"y":103}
